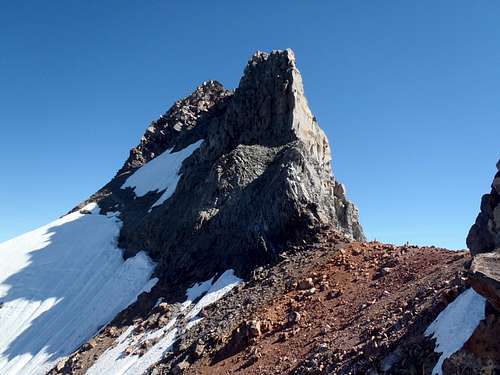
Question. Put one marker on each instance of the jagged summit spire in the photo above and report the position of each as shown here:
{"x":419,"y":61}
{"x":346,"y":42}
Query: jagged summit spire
{"x":281,"y":57}
{"x":269,"y":106}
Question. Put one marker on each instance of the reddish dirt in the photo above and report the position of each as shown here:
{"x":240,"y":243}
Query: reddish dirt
{"x":368,"y":298}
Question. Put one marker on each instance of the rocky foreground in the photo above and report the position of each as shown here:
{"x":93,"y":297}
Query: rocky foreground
{"x":331,"y":306}
{"x":361,"y":309}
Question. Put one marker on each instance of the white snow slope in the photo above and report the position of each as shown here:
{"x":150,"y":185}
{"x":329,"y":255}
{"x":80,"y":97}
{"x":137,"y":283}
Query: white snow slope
{"x":59,"y":285}
{"x":116,"y":361}
{"x":455,"y":324}
{"x":160,"y":174}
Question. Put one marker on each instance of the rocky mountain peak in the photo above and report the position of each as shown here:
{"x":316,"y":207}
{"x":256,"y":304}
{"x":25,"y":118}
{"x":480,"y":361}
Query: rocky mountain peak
{"x":238,"y":243}
{"x":224,"y":184}
{"x":270,"y":108}
{"x":253,"y":176}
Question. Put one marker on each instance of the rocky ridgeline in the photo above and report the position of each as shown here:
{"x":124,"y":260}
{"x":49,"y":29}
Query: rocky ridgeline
{"x":259,"y":196}
{"x":175,"y":127}
{"x":260,"y":181}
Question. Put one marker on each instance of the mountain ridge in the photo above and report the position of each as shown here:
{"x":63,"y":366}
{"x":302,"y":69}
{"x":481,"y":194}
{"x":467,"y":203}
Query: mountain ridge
{"x":264,"y":134}
{"x":227,"y":245}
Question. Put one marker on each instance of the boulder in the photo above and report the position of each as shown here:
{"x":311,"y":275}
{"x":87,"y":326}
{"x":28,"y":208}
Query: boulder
{"x":306,"y":283}
{"x":254,"y":329}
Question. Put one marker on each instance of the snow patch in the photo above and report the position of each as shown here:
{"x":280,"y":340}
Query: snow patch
{"x":60,"y":284}
{"x":115,"y":360}
{"x":90,"y":208}
{"x":160,"y":174}
{"x":224,"y":284}
{"x":455,"y":324}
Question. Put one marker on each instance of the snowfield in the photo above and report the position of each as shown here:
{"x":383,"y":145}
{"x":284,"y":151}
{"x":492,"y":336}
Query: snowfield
{"x":160,"y":174}
{"x":59,"y":285}
{"x":455,"y":324}
{"x":116,"y":361}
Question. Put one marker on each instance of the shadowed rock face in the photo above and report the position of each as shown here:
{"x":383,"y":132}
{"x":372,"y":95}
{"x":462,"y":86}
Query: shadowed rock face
{"x":480,"y":354}
{"x":484,"y":243}
{"x":484,"y":236}
{"x":260,"y":180}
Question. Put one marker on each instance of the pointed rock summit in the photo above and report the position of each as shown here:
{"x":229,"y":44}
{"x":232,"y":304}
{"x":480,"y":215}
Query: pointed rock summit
{"x":229,"y":179}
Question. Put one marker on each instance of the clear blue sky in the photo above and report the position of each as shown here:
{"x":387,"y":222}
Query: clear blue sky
{"x":408,"y":93}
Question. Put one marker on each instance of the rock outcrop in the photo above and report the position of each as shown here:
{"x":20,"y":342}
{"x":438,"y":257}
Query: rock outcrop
{"x":480,"y":354}
{"x":485,"y":276}
{"x":260,"y":180}
{"x":484,"y":243}
{"x":484,"y":236}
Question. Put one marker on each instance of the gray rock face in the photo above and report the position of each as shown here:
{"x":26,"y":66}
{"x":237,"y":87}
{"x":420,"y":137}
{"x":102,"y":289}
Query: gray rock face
{"x":485,"y":276}
{"x":484,"y":236}
{"x":260,"y":180}
{"x":484,"y":243}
